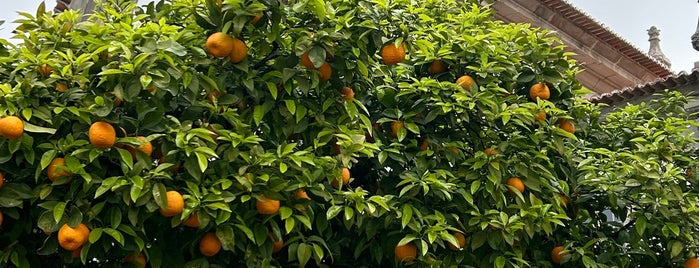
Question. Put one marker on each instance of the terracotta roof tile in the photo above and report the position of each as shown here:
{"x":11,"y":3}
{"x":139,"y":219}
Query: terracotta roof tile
{"x":597,"y":29}
{"x":669,"y":82}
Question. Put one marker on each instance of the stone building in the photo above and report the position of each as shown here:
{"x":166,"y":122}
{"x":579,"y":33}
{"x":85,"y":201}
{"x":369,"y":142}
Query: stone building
{"x":610,"y":62}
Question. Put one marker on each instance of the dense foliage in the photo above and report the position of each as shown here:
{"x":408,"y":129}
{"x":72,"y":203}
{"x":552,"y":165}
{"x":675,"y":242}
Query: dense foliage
{"x":430,"y":154}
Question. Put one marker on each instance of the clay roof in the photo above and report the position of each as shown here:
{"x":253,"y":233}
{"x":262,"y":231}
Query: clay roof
{"x":670,"y":82}
{"x":605,"y":35}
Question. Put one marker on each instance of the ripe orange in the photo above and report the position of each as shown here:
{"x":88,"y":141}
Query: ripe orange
{"x":57,"y":169}
{"x":326,"y":71}
{"x":462,"y":241}
{"x":192,"y":221}
{"x":490,"y":151}
{"x":437,"y":67}
{"x":395,"y":127}
{"x":139,"y":261}
{"x":102,"y":135}
{"x":306,"y":61}
{"x":344,"y":177}
{"x":692,"y":263}
{"x":539,"y":90}
{"x":2,"y":179}
{"x":347,"y":93}
{"x":392,"y":54}
{"x":425,"y":144}
{"x":239,"y":51}
{"x":566,"y":125}
{"x":540,"y":116}
{"x":73,"y":238}
{"x":406,"y":253}
{"x":465,"y":82}
{"x":556,"y":255}
{"x":2,"y":217}
{"x":517,"y":183}
{"x":277,"y":245}
{"x":266,"y":206}
{"x":11,"y":127}
{"x":45,"y":70}
{"x":175,"y":204}
{"x":301,"y":194}
{"x":146,"y":148}
{"x":219,"y":44}
{"x":256,"y":18}
{"x":60,"y":87}
{"x":209,"y":245}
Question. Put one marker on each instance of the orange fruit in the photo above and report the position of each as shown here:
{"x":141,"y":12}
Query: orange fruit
{"x":347,"y":93}
{"x":424,"y":145}
{"x":395,"y":127}
{"x":465,"y":82}
{"x":11,"y":127}
{"x":256,"y":18}
{"x":517,"y":183}
{"x":301,"y":194}
{"x":692,"y":263}
{"x":175,"y":204}
{"x":540,"y":116}
{"x":406,"y":253}
{"x":462,"y":241}
{"x":138,"y":261}
{"x":57,"y":169}
{"x":239,"y":51}
{"x":490,"y":151}
{"x":2,"y":217}
{"x":539,"y":90}
{"x":306,"y":61}
{"x":556,"y":255}
{"x":102,"y":135}
{"x":2,"y":179}
{"x":326,"y":71}
{"x":73,"y":238}
{"x":192,"y":221}
{"x":60,"y":87}
{"x":45,"y":70}
{"x":566,"y":125}
{"x":209,"y":245}
{"x":437,"y":67}
{"x":392,"y":54}
{"x":344,"y":177}
{"x":266,"y":206}
{"x":277,"y":245}
{"x":146,"y":148}
{"x":219,"y":44}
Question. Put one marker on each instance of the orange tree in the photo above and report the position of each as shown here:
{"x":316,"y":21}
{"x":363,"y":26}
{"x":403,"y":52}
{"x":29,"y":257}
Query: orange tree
{"x":343,"y":133}
{"x":636,"y":186}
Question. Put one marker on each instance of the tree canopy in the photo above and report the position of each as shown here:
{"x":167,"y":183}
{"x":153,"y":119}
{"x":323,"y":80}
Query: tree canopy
{"x":342,"y":133}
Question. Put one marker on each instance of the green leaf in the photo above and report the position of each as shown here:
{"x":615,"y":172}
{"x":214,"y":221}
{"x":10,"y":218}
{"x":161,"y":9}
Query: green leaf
{"x":407,"y":215}
{"x":116,"y":235}
{"x":303,"y":253}
{"x":58,"y":211}
{"x":640,"y":225}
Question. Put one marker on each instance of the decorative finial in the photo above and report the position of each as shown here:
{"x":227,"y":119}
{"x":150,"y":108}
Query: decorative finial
{"x":654,"y":51}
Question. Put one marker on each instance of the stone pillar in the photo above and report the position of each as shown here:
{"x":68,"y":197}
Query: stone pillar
{"x":654,"y":51}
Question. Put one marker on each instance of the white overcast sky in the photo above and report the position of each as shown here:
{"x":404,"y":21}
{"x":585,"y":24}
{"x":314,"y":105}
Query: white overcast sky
{"x":677,"y":20}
